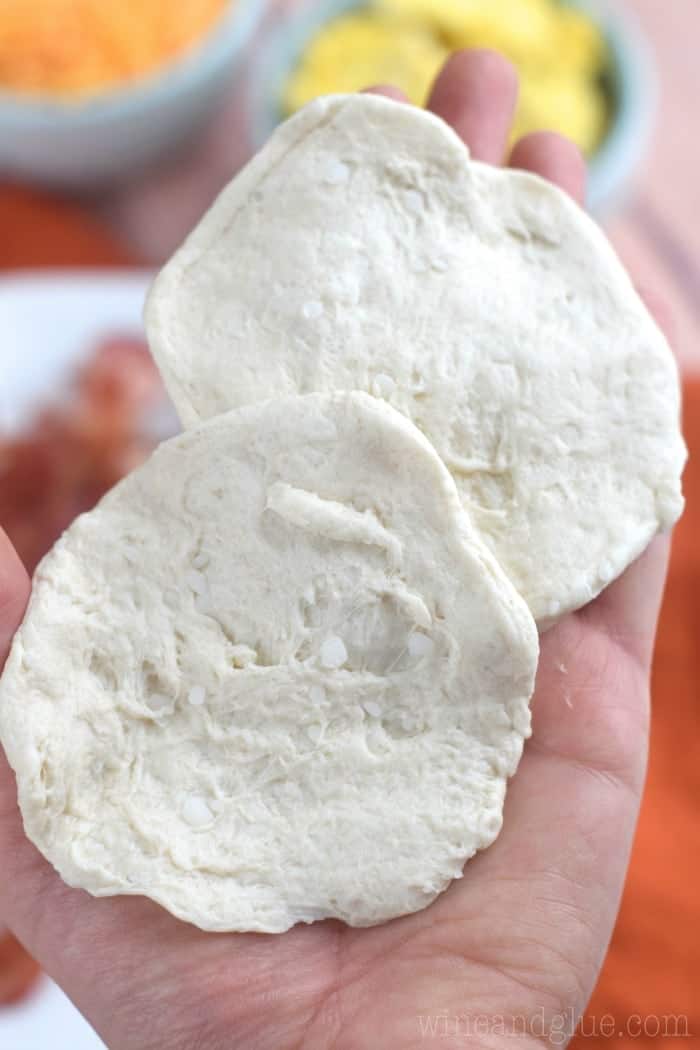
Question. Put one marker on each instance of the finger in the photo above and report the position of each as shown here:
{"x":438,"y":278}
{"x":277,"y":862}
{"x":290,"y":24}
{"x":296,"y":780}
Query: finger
{"x":554,"y":158}
{"x":386,"y":91}
{"x":660,"y":309}
{"x":628,"y":610}
{"x":14,"y":593}
{"x":476,"y":93}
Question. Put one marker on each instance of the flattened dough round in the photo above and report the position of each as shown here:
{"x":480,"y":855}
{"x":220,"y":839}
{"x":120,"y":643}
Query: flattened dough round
{"x":273,"y":677}
{"x":363,"y":250}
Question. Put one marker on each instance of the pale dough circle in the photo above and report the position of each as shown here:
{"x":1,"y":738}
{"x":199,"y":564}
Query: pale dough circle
{"x":363,"y":250}
{"x":274,"y":676}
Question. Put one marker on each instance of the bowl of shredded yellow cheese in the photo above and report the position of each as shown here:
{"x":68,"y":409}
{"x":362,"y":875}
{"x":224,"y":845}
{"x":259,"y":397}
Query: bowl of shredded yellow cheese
{"x":91,"y":90}
{"x":584,"y":70}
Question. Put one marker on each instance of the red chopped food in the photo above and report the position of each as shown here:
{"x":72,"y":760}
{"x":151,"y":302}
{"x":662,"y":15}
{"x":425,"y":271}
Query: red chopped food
{"x":76,"y":451}
{"x":121,"y":376}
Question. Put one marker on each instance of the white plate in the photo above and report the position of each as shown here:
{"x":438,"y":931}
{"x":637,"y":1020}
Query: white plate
{"x":49,"y":323}
{"x":47,"y":1020}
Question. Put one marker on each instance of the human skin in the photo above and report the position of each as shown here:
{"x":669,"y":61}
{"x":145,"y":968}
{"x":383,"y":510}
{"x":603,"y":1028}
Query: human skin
{"x":518,"y":941}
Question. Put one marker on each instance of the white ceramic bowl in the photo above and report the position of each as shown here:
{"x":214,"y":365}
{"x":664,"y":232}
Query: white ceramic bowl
{"x":81,"y":143}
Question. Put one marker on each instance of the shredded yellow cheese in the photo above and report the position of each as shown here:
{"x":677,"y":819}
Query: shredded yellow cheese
{"x":73,"y":48}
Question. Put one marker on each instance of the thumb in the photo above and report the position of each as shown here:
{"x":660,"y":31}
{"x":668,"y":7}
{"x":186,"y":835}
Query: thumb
{"x":14,"y":594}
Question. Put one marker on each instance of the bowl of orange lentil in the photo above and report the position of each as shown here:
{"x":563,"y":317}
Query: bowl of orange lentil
{"x":93,"y":90}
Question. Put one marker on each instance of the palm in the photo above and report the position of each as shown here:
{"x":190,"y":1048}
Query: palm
{"x":520,"y":937}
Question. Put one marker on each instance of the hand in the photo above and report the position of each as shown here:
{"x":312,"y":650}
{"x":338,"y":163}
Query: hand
{"x":519,"y":940}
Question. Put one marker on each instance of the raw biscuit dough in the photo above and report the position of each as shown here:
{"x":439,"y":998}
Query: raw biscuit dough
{"x":361,"y":249}
{"x":274,"y":676}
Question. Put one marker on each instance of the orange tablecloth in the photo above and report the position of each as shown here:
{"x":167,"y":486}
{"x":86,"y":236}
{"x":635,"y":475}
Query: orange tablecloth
{"x":37,"y":230}
{"x":653,"y":966}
